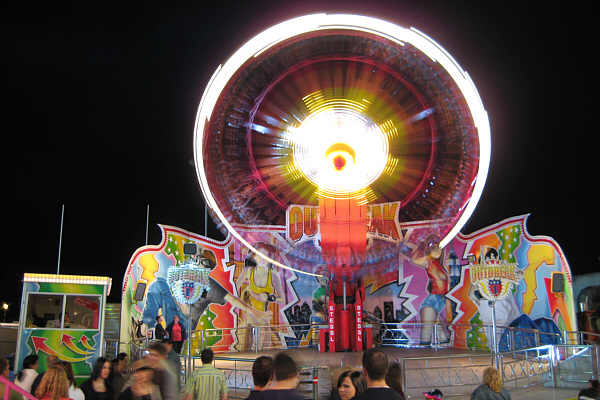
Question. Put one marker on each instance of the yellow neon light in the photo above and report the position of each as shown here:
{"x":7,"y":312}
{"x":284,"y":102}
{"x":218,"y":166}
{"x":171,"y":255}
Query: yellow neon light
{"x":78,"y":279}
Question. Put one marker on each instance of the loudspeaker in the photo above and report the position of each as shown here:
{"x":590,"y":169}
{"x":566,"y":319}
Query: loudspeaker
{"x":190,"y":249}
{"x":140,"y":291}
{"x":558,"y":281}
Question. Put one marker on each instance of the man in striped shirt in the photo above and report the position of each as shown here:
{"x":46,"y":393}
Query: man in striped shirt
{"x":207,"y":382}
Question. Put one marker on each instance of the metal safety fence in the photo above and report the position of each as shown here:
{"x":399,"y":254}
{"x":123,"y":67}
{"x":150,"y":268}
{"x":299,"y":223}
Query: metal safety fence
{"x":525,"y":363}
{"x":315,"y":382}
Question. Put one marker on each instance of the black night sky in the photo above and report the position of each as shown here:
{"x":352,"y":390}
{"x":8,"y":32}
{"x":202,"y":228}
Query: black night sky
{"x":99,"y":103}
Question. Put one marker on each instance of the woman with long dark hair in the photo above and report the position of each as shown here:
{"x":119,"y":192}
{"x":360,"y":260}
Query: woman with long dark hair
{"x":28,"y":373}
{"x":350,"y":384}
{"x":393,"y":378}
{"x":98,"y":387}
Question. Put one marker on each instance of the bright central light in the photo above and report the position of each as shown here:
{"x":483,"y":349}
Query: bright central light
{"x":340,"y":151}
{"x":340,"y":155}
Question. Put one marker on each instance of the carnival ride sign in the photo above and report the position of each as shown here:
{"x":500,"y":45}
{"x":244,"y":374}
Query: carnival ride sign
{"x":187,"y":282}
{"x":495,"y":278}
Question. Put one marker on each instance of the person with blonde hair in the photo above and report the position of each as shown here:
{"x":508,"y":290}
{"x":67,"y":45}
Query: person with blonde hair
{"x":491,"y":388}
{"x":54,"y":384}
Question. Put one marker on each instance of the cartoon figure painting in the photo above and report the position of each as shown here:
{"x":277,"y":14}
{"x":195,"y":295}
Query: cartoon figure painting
{"x":428,"y":255}
{"x":263,"y":288}
{"x":320,"y":296}
{"x":159,"y":297}
{"x":264,"y":282}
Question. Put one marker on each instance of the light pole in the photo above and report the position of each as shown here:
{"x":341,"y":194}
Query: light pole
{"x":5,"y":307}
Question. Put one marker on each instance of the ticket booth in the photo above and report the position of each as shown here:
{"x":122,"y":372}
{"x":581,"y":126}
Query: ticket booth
{"x":63,"y":316}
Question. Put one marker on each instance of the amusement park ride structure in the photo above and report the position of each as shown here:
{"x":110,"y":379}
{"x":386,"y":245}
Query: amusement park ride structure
{"x":338,"y":113}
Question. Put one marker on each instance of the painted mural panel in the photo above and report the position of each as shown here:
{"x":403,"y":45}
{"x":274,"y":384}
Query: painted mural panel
{"x":410,"y":285}
{"x":531,"y":303}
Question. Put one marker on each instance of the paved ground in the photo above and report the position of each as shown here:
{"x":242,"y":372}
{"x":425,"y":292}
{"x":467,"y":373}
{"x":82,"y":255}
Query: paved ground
{"x":465,"y":367}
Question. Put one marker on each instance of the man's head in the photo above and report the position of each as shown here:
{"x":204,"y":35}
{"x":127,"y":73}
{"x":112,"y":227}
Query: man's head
{"x":156,"y":353}
{"x":207,"y":356}
{"x":4,"y":367}
{"x":159,"y":318}
{"x":262,"y":372}
{"x":51,"y":360}
{"x":168,"y":344}
{"x":285,"y":367}
{"x":122,"y":361}
{"x":375,"y":364}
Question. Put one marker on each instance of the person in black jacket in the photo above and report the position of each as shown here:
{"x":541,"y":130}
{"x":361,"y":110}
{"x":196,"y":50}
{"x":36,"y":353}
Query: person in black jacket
{"x":592,"y":392}
{"x":159,"y":331}
{"x":98,"y":386}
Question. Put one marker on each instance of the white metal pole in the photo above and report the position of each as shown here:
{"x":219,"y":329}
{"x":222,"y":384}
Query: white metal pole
{"x":189,"y":344}
{"x":62,"y":216}
{"x":147,"y":222}
{"x":344,"y":293}
{"x":495,"y":341}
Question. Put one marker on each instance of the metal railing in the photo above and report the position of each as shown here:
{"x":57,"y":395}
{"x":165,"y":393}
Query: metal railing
{"x":256,"y":338}
{"x":455,"y":375}
{"x":315,"y":382}
{"x":523,"y":368}
{"x":577,"y":337}
{"x":462,"y":336}
{"x":136,"y":348}
{"x":459,"y":336}
{"x":10,"y":386}
{"x":527,"y":362}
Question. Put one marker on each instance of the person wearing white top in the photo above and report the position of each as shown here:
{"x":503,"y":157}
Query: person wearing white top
{"x":74,"y":392}
{"x":28,"y":373}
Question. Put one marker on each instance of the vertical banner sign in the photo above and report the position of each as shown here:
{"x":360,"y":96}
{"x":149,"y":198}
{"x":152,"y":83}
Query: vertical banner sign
{"x":359,"y":322}
{"x":331,"y":323}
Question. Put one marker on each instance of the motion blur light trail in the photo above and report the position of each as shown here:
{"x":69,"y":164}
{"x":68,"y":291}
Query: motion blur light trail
{"x":341,"y":106}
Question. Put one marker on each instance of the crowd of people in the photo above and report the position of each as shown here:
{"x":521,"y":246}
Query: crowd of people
{"x":156,"y":377}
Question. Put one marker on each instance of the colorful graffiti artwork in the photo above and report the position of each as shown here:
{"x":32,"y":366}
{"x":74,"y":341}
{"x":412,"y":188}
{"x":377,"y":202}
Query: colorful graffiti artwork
{"x":246,"y":292}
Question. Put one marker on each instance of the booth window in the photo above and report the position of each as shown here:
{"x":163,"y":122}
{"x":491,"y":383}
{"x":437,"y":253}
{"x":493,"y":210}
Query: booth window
{"x":82,"y":312}
{"x":46,"y":311}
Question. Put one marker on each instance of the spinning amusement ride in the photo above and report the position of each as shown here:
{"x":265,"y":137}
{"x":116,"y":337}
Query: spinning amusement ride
{"x":361,"y":137}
